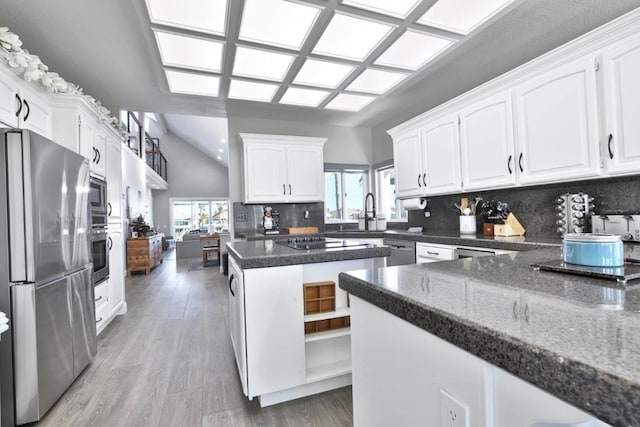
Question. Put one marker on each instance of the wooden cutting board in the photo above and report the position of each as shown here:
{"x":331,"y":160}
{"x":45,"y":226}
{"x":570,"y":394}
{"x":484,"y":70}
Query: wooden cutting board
{"x":301,"y":230}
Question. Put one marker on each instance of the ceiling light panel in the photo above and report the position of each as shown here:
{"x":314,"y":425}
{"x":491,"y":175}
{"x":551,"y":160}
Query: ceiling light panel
{"x":376,"y":81}
{"x":351,"y":38}
{"x":306,"y":97}
{"x":348,"y":102}
{"x":252,"y":91}
{"x":200,"y":15}
{"x":189,"y":52}
{"x":461,"y":16}
{"x":192,"y":84}
{"x":397,"y":8}
{"x":277,"y":22}
{"x":412,"y":50}
{"x":261,"y":64}
{"x":322,"y":73}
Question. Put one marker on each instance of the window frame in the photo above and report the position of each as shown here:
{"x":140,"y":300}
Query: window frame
{"x":346,"y":169}
{"x":379,"y":168}
{"x":193,"y":200}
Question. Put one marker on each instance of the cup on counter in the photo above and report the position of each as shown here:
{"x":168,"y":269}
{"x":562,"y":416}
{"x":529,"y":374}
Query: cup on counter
{"x":467,"y":224}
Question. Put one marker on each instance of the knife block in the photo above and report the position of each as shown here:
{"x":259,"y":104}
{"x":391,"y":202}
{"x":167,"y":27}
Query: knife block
{"x":511,"y":227}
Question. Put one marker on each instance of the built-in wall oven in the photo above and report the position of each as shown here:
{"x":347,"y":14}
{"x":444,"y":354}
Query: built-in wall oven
{"x":98,"y":202}
{"x":100,"y":245}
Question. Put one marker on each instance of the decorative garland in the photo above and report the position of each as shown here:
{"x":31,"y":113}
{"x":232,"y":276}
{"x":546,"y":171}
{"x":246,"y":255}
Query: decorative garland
{"x":31,"y":69}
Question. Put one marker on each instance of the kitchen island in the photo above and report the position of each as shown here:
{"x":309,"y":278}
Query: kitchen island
{"x":513,"y":345}
{"x":288,"y":319}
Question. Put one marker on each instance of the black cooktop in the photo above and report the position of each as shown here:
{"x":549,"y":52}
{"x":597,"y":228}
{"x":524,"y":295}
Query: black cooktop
{"x":318,"y":242}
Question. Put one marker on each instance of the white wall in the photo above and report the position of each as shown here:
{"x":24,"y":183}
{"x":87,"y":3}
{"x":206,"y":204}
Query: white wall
{"x":133,"y":176}
{"x":190,"y":173}
{"x":344,"y":144}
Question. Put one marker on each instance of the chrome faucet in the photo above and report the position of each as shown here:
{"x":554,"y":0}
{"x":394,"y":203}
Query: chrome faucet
{"x":372,"y":212}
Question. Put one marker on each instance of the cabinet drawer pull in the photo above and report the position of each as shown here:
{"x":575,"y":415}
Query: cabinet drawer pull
{"x":26,"y":115}
{"x":419,"y":184}
{"x":19,"y":105}
{"x":509,"y":164}
{"x":433,"y":253}
{"x":99,"y":320}
{"x":609,"y":146}
{"x":520,"y":162}
{"x":98,"y":299}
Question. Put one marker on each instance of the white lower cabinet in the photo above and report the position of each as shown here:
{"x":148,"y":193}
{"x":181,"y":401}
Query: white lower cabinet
{"x":276,"y":360}
{"x":427,"y":252}
{"x":101,"y":298}
{"x":116,"y":271}
{"x":399,"y":371}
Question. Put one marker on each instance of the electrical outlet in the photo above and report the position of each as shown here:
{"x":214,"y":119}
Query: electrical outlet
{"x":242,"y":217}
{"x":453,"y":413}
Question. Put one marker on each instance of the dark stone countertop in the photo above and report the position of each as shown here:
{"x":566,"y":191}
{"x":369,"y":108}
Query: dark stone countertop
{"x":569,"y":335}
{"x":268,"y":253}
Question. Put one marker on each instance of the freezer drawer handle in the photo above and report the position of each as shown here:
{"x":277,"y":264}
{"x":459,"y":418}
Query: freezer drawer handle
{"x":19,"y":105}
{"x":609,"y":146}
{"x":231,"y":280}
{"x":26,"y":116}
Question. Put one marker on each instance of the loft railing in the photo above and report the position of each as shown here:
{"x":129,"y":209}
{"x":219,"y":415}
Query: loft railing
{"x":154,"y":157}
{"x":134,"y":128}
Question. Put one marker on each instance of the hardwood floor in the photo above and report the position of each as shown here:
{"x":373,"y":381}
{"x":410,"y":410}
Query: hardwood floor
{"x":169,"y":362}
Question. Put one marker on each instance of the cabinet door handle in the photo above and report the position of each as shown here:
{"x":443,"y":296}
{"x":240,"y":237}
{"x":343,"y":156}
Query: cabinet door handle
{"x":231,"y":280}
{"x":99,"y":156}
{"x":289,"y":189}
{"x":98,"y":299}
{"x":110,"y":208}
{"x":19,"y":105}
{"x":509,"y":164}
{"x":26,"y":115}
{"x":284,"y":190}
{"x":419,"y":184}
{"x":515,"y":310}
{"x":424,"y":179}
{"x":95,"y":154}
{"x":99,"y":320}
{"x":520,"y":162}
{"x":110,"y":243}
{"x":609,"y":146}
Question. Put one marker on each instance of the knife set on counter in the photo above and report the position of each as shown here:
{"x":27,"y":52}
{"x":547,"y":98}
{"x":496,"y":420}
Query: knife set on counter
{"x":499,"y":220}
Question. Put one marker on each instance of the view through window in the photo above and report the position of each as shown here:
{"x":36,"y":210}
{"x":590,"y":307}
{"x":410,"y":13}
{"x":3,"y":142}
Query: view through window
{"x":387,"y":203}
{"x":345,"y":190}
{"x":208,"y":215}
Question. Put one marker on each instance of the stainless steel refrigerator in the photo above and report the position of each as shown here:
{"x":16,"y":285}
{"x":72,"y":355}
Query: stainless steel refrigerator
{"x":47,"y":289}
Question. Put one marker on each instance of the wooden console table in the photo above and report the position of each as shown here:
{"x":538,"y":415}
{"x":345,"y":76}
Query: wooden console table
{"x":144,"y":253}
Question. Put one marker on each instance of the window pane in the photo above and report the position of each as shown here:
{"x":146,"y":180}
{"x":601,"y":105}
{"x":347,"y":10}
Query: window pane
{"x":208,"y":216}
{"x":333,"y":195}
{"x":355,"y":189}
{"x":386,"y":189}
{"x":181,"y":218}
{"x":220,"y":216}
{"x":201,"y":215}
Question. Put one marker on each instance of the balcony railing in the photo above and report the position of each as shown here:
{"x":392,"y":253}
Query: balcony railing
{"x":153,"y":156}
{"x":151,"y":148}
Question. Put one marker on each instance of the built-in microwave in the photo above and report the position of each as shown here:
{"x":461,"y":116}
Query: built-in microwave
{"x":100,"y":246}
{"x":98,"y":202}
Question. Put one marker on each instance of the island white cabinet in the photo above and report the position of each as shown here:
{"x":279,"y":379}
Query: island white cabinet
{"x":556,"y":124}
{"x":237,"y":321}
{"x":407,"y":155}
{"x":282,"y":169}
{"x":399,"y":371}
{"x":621,"y":67}
{"x":487,"y":143}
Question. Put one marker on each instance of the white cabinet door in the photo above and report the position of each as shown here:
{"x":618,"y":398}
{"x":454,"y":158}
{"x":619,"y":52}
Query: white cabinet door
{"x":305,"y":172}
{"x":36,"y":113}
{"x":426,"y":253}
{"x":410,"y":177}
{"x":113,"y":156}
{"x":87,"y":128}
{"x":237,"y":321}
{"x":621,"y":66}
{"x":441,"y":155}
{"x":116,"y":271}
{"x":274,"y":317}
{"x":9,"y":101}
{"x":99,"y":152}
{"x":265,"y":174}
{"x":487,"y":143}
{"x":556,"y":122}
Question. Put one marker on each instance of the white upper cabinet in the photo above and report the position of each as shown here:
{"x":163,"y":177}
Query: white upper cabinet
{"x":22,"y":106}
{"x":487,"y":143}
{"x":621,"y":67}
{"x":441,"y":155}
{"x":99,"y":152}
{"x":282,"y":169}
{"x":408,"y":165}
{"x":556,"y":122}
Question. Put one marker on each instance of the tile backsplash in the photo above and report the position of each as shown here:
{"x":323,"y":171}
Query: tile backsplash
{"x":533,"y":206}
{"x":248,"y":218}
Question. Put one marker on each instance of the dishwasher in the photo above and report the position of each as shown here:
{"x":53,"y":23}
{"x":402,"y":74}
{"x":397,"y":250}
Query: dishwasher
{"x":402,"y":252}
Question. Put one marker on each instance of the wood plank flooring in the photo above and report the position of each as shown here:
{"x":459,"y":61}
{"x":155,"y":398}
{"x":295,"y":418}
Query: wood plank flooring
{"x":169,"y":362}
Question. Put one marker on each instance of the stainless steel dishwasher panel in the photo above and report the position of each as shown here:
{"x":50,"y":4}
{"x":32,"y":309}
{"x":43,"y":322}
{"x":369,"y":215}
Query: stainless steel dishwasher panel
{"x":402,"y":252}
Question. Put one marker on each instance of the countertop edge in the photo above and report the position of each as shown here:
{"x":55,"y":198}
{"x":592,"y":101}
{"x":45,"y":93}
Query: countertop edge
{"x":612,"y":396}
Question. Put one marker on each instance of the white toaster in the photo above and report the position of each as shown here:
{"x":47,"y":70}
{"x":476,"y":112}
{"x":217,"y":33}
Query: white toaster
{"x":627,"y":226}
